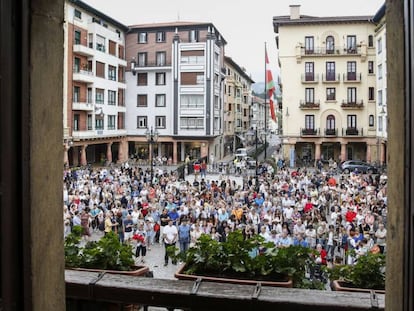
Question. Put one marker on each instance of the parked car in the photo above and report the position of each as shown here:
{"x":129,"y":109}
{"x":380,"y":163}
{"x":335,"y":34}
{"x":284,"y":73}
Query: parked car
{"x":251,"y":162}
{"x":241,"y":152}
{"x":360,"y":166}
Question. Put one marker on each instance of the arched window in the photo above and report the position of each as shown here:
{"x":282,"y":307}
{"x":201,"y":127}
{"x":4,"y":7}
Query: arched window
{"x":330,"y":122}
{"x":330,"y":129}
{"x":371,"y":120}
{"x":330,"y":45}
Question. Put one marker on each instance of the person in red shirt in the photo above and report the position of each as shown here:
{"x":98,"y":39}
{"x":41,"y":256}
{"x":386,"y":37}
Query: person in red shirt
{"x":321,"y":259}
{"x":350,"y":214}
{"x":308,"y":206}
{"x":196,"y":168}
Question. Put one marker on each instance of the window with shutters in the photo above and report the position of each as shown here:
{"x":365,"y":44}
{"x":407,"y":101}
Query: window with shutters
{"x":142,"y":78}
{"x":100,"y":69}
{"x":142,"y":100}
{"x":100,"y":43}
{"x":112,"y":47}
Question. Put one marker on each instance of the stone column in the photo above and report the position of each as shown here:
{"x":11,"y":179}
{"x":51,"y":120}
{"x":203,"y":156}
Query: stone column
{"x":108,"y":153}
{"x":65,"y":154}
{"x":317,"y":151}
{"x":368,"y":156}
{"x":83,"y":155}
{"x":174,"y":158}
{"x":343,"y":151}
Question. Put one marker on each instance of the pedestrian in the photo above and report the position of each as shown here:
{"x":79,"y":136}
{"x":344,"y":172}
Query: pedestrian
{"x":140,"y":237}
{"x":170,"y":236}
{"x":184,"y":235}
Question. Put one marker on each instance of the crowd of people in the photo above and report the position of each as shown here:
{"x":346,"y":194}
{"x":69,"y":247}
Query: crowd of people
{"x":312,"y":208}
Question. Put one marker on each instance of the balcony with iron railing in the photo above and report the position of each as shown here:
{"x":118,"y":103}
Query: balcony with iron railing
{"x":309,"y":78}
{"x":347,"y":104}
{"x":309,"y":105}
{"x":153,"y":64}
{"x":331,"y":78}
{"x":331,"y":132}
{"x":309,"y":132}
{"x":351,"y":77}
{"x":334,"y":51}
{"x":352,"y":131}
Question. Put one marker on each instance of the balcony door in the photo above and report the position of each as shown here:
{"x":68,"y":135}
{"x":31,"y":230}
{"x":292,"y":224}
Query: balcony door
{"x":309,"y":71}
{"x":351,"y":71}
{"x":330,"y":71}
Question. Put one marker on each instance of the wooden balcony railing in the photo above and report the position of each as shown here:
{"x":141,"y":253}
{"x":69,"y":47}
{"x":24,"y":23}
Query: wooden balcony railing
{"x":93,"y":291}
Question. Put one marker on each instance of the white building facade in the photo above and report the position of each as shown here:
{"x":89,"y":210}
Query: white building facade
{"x":329,"y":87}
{"x":94,"y":87}
{"x":175,"y":87}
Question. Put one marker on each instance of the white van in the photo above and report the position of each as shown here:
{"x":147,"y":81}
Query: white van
{"x":241,"y":153}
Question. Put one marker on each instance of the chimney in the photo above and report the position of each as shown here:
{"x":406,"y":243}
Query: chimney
{"x":294,"y":11}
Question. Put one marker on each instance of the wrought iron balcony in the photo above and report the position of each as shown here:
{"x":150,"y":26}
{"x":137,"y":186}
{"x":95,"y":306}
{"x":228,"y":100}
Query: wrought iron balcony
{"x":309,"y":132}
{"x":303,"y":104}
{"x":331,"y":132}
{"x":310,"y":77}
{"x":352,"y":104}
{"x":331,"y":78}
{"x":352,"y":77}
{"x":352,"y":131}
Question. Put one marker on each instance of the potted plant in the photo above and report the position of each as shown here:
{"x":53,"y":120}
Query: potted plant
{"x":107,"y":254}
{"x":367,"y":274}
{"x":245,"y":261}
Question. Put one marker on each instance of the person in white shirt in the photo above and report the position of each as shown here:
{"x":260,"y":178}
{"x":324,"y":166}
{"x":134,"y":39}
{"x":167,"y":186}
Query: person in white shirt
{"x":170,"y":235}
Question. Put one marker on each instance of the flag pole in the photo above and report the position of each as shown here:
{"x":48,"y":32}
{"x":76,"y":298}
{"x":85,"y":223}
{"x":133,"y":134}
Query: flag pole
{"x":265,"y":114}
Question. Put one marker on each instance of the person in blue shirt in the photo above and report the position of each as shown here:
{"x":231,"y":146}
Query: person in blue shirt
{"x":285,"y":240}
{"x":299,"y":240}
{"x":173,"y":216}
{"x":184,"y":235}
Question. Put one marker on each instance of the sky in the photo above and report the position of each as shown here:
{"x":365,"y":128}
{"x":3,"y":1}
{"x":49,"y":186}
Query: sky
{"x":246,"y":25}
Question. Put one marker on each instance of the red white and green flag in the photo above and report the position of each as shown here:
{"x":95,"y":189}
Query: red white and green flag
{"x":270,"y":87}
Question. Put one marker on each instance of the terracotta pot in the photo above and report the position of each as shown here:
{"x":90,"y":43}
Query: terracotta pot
{"x":138,"y":271}
{"x":182,"y":276}
{"x":347,"y":287}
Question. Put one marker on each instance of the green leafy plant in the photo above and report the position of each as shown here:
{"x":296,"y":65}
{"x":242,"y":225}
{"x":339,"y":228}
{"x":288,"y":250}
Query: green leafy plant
{"x":106,"y":254}
{"x":251,"y":258}
{"x":368,"y":272}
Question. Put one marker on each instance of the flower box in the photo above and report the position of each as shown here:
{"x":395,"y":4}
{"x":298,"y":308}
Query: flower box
{"x":181,"y":275}
{"x":343,"y":286}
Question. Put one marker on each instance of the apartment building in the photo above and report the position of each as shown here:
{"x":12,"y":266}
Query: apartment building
{"x":381,"y":68}
{"x":237,"y":106}
{"x":94,"y":87}
{"x":329,"y":86}
{"x":175,"y":88}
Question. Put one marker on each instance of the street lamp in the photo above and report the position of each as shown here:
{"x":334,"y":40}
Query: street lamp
{"x":152,"y":137}
{"x":255,"y":157}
